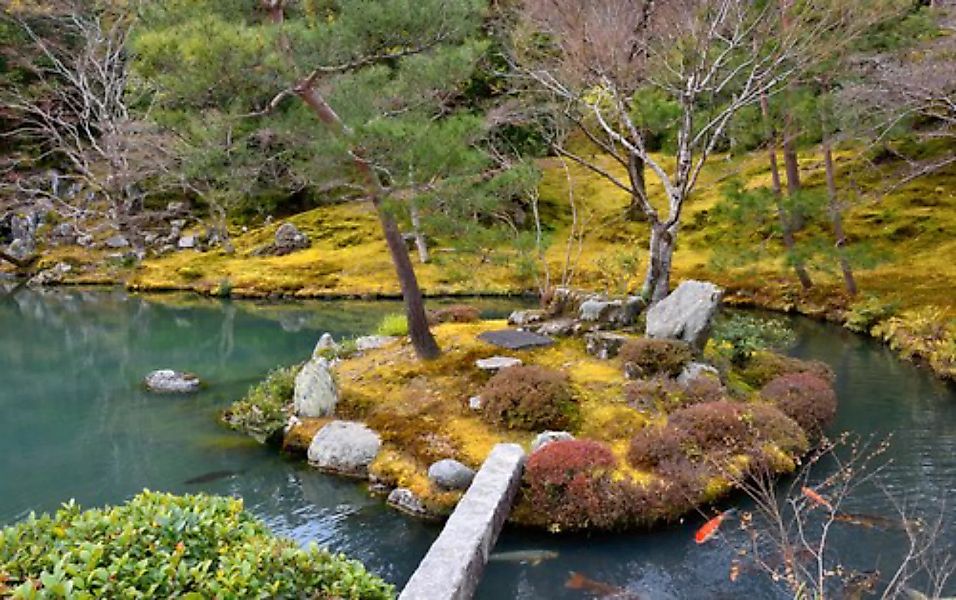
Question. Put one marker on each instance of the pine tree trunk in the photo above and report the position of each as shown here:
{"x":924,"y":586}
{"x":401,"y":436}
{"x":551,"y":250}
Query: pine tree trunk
{"x":420,"y":242}
{"x":836,"y":218}
{"x":785,"y":221}
{"x":422,"y":340}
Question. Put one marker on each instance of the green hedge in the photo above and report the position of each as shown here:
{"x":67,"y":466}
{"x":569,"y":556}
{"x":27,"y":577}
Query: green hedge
{"x":164,"y":546}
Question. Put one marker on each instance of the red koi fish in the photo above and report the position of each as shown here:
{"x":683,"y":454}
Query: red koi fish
{"x":817,"y":498}
{"x":709,"y":529}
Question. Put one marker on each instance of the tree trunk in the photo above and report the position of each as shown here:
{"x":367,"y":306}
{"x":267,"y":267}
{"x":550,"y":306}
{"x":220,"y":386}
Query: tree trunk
{"x":785,"y":221}
{"x":660,"y":256}
{"x":635,"y":173}
{"x":792,"y":168}
{"x":420,"y":243}
{"x":836,"y":218}
{"x":421,"y":336}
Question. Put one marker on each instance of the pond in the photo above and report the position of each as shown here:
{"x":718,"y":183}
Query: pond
{"x":77,"y":424}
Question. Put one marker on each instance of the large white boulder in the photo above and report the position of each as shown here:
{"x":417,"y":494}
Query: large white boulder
{"x":686,"y":313}
{"x":345,"y":448}
{"x":315,"y":391}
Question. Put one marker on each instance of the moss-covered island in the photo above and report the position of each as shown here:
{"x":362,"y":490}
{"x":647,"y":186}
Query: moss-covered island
{"x":655,"y":431}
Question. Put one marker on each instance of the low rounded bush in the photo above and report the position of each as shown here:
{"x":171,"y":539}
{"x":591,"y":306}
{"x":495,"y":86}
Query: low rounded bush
{"x":805,"y":398}
{"x":652,"y":394}
{"x":568,"y":484}
{"x":646,"y":357}
{"x":264,"y":409}
{"x":528,"y":397}
{"x":765,"y":366}
{"x":771,"y":425}
{"x":712,"y":426}
{"x":653,"y":446}
{"x":455,"y":313}
{"x":163,"y":546}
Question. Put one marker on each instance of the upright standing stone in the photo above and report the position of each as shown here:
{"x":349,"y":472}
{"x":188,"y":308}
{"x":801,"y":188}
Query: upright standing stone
{"x":452,"y":568}
{"x":686,"y":313}
{"x":315,"y":392}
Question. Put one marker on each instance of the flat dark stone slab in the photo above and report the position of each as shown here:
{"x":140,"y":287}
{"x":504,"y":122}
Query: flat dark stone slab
{"x":514,"y":339}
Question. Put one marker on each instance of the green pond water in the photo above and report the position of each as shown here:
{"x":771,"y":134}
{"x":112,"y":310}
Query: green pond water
{"x":77,"y":424}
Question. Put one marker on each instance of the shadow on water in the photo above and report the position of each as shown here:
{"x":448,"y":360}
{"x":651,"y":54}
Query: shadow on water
{"x":77,"y":424}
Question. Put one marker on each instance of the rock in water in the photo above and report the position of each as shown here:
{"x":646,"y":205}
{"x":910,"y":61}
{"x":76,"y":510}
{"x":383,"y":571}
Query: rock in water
{"x":406,"y":501}
{"x":685,"y":314}
{"x":315,"y":391}
{"x":344,"y":448}
{"x":546,"y":437}
{"x":167,"y":381}
{"x":449,"y":474}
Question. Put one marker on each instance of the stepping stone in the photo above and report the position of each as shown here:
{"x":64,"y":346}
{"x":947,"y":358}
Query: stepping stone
{"x":514,"y":339}
{"x":496,"y":363}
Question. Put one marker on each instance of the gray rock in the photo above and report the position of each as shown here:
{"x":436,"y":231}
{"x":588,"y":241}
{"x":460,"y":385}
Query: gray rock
{"x":177,"y":224}
{"x":496,"y":363}
{"x":474,"y":403}
{"x":405,"y":500}
{"x":595,"y":310}
{"x":546,"y":437}
{"x":176,"y":207}
{"x":685,"y":314}
{"x":522,"y":318}
{"x":117,"y":241}
{"x":514,"y":339}
{"x":84,"y":240}
{"x":558,"y":327}
{"x":604,"y":344}
{"x":64,"y":233}
{"x":449,"y":474}
{"x":289,"y":239}
{"x":21,"y":249}
{"x":50,"y":276}
{"x":23,"y":226}
{"x":345,"y":448}
{"x":694,"y":370}
{"x":315,"y":391}
{"x":325,"y":343}
{"x":167,"y":381}
{"x":186,"y":242}
{"x":373,"y":342}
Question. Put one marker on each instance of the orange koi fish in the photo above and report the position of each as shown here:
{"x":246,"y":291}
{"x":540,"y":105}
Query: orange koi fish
{"x":817,"y":498}
{"x":709,"y":529}
{"x":580,"y":581}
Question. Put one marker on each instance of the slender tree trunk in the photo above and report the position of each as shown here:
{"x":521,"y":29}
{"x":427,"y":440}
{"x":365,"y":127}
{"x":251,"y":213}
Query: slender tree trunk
{"x":635,"y":173}
{"x":792,"y":168}
{"x":785,"y":221}
{"x":420,"y":243}
{"x":422,"y":339}
{"x":836,"y":218}
{"x":660,"y":256}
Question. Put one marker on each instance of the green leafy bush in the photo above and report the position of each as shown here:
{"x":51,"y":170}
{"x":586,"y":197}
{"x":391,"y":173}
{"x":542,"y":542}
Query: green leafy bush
{"x":265,"y":408}
{"x":163,"y":546}
{"x":394,"y":324}
{"x":646,"y":357}
{"x":865,"y":314}
{"x":805,"y":398}
{"x":528,"y":397}
{"x":766,"y":366}
{"x":743,"y":335}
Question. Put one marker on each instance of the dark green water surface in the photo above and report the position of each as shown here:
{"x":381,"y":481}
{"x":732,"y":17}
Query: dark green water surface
{"x":76,"y":424}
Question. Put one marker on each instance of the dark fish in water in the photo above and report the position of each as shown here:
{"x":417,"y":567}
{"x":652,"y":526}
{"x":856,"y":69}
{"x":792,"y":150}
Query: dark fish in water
{"x":860,"y":584}
{"x":211,"y":476}
{"x":532,"y":557}
{"x":599,"y":589}
{"x":912,"y":594}
{"x":875,"y":521}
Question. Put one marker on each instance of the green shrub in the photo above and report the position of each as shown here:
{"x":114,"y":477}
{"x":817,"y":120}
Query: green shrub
{"x":394,"y":324}
{"x":163,"y":546}
{"x":743,"y":335}
{"x":646,"y":357}
{"x":528,"y":397}
{"x":265,"y":408}
{"x":865,"y":314}
{"x":341,"y":350}
{"x":805,"y":398}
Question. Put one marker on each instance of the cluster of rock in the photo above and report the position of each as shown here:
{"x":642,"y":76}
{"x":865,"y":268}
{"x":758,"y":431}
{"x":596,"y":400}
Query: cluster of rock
{"x":288,"y":239}
{"x":574,"y":312}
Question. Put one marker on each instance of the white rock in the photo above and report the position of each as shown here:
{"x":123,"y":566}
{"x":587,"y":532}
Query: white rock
{"x":167,"y":381}
{"x":546,"y":437}
{"x":326,"y":342}
{"x":373,"y":342}
{"x":406,"y":501}
{"x":315,"y":391}
{"x":693,"y":370}
{"x":496,"y":363}
{"x":344,"y":447}
{"x":686,"y":313}
{"x":474,"y":403}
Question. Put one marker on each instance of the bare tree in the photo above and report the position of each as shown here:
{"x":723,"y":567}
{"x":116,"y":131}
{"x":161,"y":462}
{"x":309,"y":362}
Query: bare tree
{"x":710,"y":57}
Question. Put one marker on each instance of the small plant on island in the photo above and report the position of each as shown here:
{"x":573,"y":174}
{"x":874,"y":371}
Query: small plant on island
{"x":163,"y":546}
{"x":265,"y":408}
{"x":646,"y":357}
{"x":530,"y":398}
{"x":395,"y":324}
{"x":743,"y":335}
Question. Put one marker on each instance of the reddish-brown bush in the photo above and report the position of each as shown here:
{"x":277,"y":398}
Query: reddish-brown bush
{"x":770,"y":424}
{"x":655,"y":393}
{"x":646,"y":357}
{"x":568,"y":484}
{"x":762,"y":367}
{"x":528,"y":397}
{"x":455,"y":313}
{"x":712,"y":426}
{"x":701,"y":389}
{"x":805,"y":398}
{"x":653,"y":445}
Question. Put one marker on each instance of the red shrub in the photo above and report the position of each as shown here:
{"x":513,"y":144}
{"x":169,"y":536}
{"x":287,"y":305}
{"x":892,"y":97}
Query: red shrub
{"x":455,"y":313}
{"x":567,"y":483}
{"x":770,"y":424}
{"x":805,"y":398}
{"x":528,"y":397}
{"x":712,"y":426}
{"x":652,"y":446}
